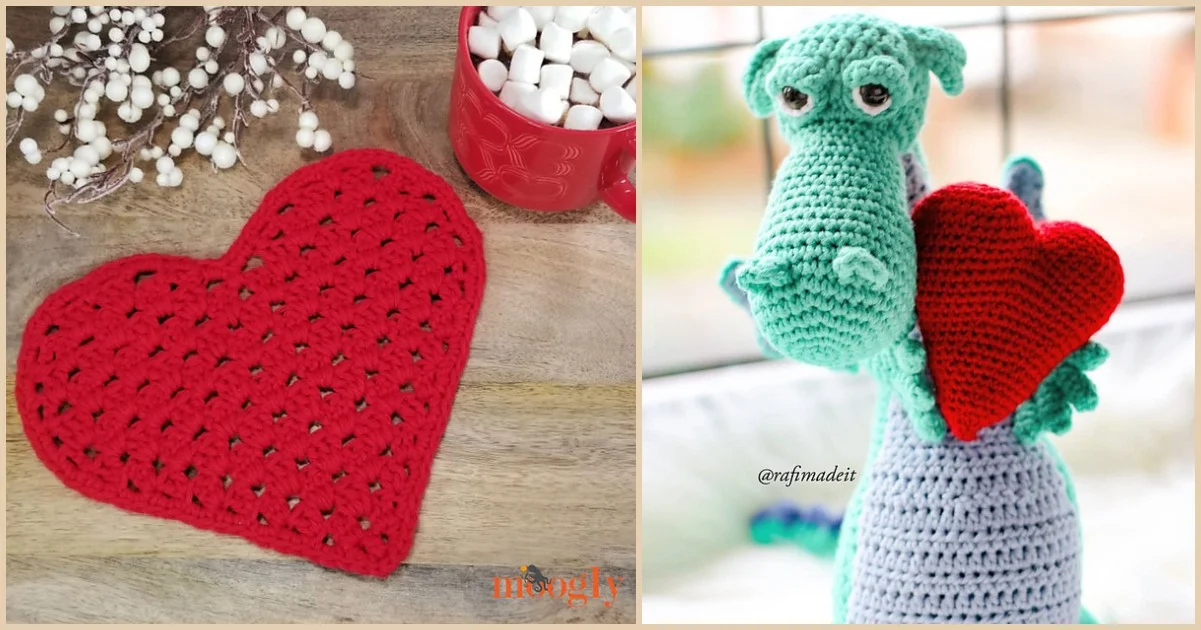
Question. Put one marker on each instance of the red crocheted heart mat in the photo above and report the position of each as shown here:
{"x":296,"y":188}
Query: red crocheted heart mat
{"x":1001,"y":301}
{"x":294,"y":390}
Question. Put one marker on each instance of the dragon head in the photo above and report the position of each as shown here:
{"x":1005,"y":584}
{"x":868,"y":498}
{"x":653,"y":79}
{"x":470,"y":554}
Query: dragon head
{"x":833,"y":276}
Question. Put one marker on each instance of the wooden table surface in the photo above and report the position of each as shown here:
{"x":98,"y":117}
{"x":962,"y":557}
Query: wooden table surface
{"x":538,"y":462}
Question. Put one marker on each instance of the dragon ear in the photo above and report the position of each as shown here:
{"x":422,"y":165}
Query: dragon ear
{"x":755,"y":78}
{"x":939,"y":51}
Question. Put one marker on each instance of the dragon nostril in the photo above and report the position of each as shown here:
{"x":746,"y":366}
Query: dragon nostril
{"x":853,"y":264}
{"x":763,"y":272}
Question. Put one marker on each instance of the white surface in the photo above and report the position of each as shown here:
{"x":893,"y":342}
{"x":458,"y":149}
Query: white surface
{"x":706,"y":436}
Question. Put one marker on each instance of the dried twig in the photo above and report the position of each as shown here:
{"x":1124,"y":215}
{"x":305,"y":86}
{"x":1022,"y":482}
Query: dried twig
{"x":113,"y":57}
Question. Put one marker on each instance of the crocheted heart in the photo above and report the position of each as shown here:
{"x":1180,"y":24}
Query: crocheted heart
{"x":294,"y":390}
{"x":1002,"y":301}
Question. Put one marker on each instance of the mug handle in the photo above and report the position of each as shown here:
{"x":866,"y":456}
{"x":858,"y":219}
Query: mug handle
{"x":621,"y":195}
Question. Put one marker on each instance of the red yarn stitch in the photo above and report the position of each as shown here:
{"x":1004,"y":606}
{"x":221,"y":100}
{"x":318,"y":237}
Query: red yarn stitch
{"x":1000,"y":301}
{"x":294,"y":390}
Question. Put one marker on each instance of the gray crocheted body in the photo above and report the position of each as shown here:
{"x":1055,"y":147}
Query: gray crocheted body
{"x":964,"y":532}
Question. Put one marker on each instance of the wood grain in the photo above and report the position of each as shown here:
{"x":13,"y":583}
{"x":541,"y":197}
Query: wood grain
{"x":538,"y":461}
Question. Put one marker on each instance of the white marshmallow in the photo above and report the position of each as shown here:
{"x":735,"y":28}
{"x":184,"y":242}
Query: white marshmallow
{"x":624,"y":44}
{"x":545,"y":106}
{"x":517,"y":29}
{"x":608,"y":73}
{"x":632,"y":88}
{"x":583,"y":117}
{"x":585,"y":54}
{"x":542,"y":15}
{"x":555,"y":43}
{"x":525,"y":65}
{"x":486,"y":20}
{"x":573,"y":19}
{"x":605,"y":21}
{"x":617,"y":105}
{"x":581,"y":93}
{"x":512,"y":93}
{"x":498,"y":13}
{"x":483,"y":41}
{"x":556,"y":77}
{"x":493,"y":73}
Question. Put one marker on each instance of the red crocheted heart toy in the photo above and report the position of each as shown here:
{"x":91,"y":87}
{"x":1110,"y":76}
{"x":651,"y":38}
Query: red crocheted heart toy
{"x":1002,"y":301}
{"x":294,"y":390}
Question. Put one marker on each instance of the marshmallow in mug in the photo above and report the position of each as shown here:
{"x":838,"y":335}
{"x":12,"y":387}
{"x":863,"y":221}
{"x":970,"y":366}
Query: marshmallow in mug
{"x":484,"y":41}
{"x":555,"y":42}
{"x":517,"y":29}
{"x":585,"y":54}
{"x":583,"y":118}
{"x":493,"y":73}
{"x":526,"y":65}
{"x":556,"y":78}
{"x":582,"y":93}
{"x":569,"y":66}
{"x":617,"y":105}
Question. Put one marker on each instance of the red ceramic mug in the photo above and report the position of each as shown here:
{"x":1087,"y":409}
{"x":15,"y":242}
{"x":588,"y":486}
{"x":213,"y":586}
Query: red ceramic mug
{"x":529,"y":164}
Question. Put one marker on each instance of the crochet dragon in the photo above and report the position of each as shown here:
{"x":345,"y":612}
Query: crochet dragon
{"x":973,"y":314}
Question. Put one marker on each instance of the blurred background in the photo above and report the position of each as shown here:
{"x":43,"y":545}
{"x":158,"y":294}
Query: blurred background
{"x":1103,"y":98}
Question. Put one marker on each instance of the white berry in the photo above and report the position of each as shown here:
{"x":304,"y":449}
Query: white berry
{"x":214,"y":36}
{"x":258,"y":63}
{"x":331,"y":39}
{"x":224,"y":155}
{"x":332,"y":69}
{"x":295,"y":18}
{"x":25,"y":84}
{"x":170,"y":77}
{"x":305,"y":137}
{"x":182,"y":136}
{"x":198,"y":78}
{"x":205,"y":142}
{"x":321,"y":141}
{"x":234,"y":84}
{"x":88,"y":155}
{"x":344,"y":51}
{"x":139,"y":58}
{"x":313,"y":30}
{"x":116,"y":91}
{"x":308,"y":120}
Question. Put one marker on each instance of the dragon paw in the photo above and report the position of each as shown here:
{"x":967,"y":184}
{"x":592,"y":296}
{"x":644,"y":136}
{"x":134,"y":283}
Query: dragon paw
{"x":1065,"y":389}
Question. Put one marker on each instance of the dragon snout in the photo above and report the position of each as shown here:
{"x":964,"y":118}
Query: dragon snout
{"x":825,"y":310}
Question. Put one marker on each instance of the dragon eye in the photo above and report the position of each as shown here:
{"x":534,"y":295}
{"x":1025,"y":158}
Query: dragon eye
{"x":794,"y":101}
{"x":872,"y":98}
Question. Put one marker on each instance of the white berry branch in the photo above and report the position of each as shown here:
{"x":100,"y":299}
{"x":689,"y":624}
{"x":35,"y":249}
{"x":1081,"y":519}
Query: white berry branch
{"x":115,"y":58}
